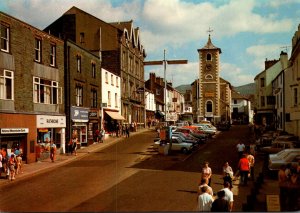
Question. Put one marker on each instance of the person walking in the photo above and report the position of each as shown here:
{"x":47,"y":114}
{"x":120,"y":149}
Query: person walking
{"x":251,"y":160}
{"x":227,"y":173}
{"x":207,"y":172}
{"x":205,"y":200}
{"x":1,"y":165}
{"x":19,"y":164}
{"x":228,"y":195}
{"x":127,"y":130}
{"x":52,"y":151}
{"x":244,"y":167}
{"x":102,"y":135}
{"x":283,"y":192}
{"x":12,"y":164}
{"x":240,"y":149}
{"x":204,"y":182}
{"x":220,"y":204}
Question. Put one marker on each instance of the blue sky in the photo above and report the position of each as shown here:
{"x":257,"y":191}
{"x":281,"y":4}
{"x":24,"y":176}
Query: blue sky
{"x":247,"y":31}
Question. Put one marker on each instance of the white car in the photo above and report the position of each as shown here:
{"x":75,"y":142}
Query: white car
{"x":206,"y":129}
{"x":177,"y":144}
{"x":284,"y":157}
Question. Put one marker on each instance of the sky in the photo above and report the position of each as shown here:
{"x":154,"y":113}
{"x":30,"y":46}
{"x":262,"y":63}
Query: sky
{"x":247,"y":31}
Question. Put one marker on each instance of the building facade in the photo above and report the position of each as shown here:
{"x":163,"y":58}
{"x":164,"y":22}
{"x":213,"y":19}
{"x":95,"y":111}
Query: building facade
{"x":31,"y":89}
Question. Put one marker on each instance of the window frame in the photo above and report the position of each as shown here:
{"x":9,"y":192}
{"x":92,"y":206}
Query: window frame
{"x":78,"y":63}
{"x":6,"y":40}
{"x":94,"y":97}
{"x":44,"y":93}
{"x":79,"y":95}
{"x":38,"y":50}
{"x":93,"y":70}
{"x":53,"y":55}
{"x":6,"y":77}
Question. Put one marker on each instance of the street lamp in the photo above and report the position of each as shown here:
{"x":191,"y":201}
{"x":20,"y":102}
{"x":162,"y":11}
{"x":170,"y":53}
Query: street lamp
{"x":165,"y":62}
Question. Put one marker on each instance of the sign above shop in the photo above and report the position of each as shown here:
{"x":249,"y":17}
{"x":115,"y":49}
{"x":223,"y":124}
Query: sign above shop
{"x":14,"y":130}
{"x":79,"y":114}
{"x":49,"y":121}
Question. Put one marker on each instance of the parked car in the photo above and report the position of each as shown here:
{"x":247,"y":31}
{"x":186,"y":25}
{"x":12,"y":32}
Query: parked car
{"x":284,"y":157}
{"x":277,"y":146}
{"x":206,"y":129}
{"x":223,"y":126}
{"x":203,"y":137}
{"x":177,"y":145}
{"x":265,"y":140}
{"x":284,"y":138}
{"x":186,"y":138}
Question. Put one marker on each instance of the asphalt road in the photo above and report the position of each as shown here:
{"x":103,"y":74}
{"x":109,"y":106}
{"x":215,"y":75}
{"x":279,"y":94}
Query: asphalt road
{"x":127,"y":176}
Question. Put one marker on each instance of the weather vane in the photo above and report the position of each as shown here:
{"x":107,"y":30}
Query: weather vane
{"x":209,"y":30}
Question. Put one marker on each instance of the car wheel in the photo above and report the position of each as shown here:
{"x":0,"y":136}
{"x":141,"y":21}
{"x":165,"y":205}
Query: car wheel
{"x":184,"y":150}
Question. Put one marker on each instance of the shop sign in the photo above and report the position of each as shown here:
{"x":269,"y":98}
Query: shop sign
{"x":49,"y":121}
{"x":93,"y":115}
{"x":79,"y":114}
{"x":14,"y":130}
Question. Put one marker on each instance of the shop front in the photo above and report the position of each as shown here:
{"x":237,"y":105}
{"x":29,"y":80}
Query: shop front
{"x":93,"y":125}
{"x":50,"y":128}
{"x":80,"y":119}
{"x":12,"y":139}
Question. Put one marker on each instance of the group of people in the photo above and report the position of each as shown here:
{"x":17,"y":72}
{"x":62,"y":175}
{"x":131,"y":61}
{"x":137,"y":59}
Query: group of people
{"x":289,"y":186}
{"x":72,"y":145}
{"x":10,"y":164}
{"x":206,"y":201}
{"x":124,"y":129}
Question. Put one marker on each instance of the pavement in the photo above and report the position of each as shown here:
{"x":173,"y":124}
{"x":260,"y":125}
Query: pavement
{"x":268,"y":187}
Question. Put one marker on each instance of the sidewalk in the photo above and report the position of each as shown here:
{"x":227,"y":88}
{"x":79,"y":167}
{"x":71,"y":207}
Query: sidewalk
{"x":62,"y":159}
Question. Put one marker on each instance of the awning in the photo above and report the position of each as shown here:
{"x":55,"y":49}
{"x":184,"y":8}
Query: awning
{"x":115,"y":115}
{"x":159,"y":113}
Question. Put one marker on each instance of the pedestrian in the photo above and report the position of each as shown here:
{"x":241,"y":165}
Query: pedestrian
{"x":19,"y":164}
{"x":158,"y":132}
{"x":97,"y":136}
{"x":74,"y":141}
{"x":52,"y":151}
{"x":240,"y":148}
{"x":123,"y":130}
{"x":204,"y":182}
{"x":207,"y":172}
{"x":102,"y":135}
{"x":12,"y":164}
{"x":204,"y":200}
{"x":251,"y":160}
{"x":244,"y":167}
{"x":228,"y":195}
{"x":127,"y":130}
{"x":227,"y":173}
{"x":220,"y":204}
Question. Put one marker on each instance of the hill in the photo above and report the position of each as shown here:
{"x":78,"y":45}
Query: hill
{"x":248,"y":89}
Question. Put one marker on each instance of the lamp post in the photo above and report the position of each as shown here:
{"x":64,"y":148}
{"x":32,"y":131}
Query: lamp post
{"x":165,"y":62}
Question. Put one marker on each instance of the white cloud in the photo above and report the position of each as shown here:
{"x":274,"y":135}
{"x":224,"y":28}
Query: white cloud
{"x":232,"y":73}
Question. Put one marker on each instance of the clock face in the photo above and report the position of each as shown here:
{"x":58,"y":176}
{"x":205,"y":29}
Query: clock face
{"x":208,"y":67}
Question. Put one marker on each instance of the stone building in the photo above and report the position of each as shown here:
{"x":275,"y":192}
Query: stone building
{"x":119,"y":48}
{"x":32,"y":109}
{"x":214,"y":92}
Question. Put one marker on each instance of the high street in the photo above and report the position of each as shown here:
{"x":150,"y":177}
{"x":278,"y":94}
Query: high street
{"x":127,"y":176}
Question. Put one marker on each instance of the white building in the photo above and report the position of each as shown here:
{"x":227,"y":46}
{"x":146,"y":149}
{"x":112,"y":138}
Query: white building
{"x":111,"y":100}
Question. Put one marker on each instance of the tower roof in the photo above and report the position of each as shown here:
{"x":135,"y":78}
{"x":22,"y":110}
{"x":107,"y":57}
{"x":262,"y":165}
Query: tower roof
{"x":209,"y":46}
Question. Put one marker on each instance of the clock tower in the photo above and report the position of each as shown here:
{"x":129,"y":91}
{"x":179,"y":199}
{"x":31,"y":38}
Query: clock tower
{"x":209,"y":82}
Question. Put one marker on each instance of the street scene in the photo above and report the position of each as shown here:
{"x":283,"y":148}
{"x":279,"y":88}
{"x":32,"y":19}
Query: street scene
{"x":153,"y":105}
{"x":129,"y":175}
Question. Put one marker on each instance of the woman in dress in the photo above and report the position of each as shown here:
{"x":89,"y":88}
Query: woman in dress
{"x":207,"y":172}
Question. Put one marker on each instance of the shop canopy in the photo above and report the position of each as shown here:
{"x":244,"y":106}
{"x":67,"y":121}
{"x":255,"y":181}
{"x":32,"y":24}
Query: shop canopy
{"x":115,"y":115}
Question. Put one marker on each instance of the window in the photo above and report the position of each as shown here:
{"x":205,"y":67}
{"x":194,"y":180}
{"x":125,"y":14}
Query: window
{"x":117,"y":82}
{"x":262,"y":101}
{"x":7,"y":85}
{"x":78,"y":61}
{"x":209,"y":106}
{"x":93,"y":70}
{"x":262,"y":82}
{"x":79,"y":95}
{"x":81,"y":38}
{"x":235,"y":101}
{"x":108,"y":98}
{"x":157,"y":91}
{"x":93,"y":98}
{"x":209,"y":76}
{"x":208,"y":57}
{"x":53,"y":55}
{"x":38,"y":50}
{"x":270,"y":100}
{"x":116,"y":100}
{"x":46,"y":91}
{"x":4,"y":34}
{"x":106,"y":77}
{"x":295,"y":96}
{"x":112,"y":80}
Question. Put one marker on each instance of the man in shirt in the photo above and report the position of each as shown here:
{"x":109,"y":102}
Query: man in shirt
{"x":228,"y":195}
{"x":204,"y":200}
{"x":240,"y":149}
{"x":244,"y":167}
